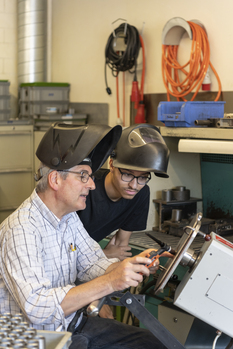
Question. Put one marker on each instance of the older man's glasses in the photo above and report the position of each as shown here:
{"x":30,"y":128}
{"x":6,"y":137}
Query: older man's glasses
{"x":128,"y":177}
{"x":83,"y":175}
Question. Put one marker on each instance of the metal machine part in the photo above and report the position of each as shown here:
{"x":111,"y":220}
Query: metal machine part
{"x":94,"y":308}
{"x":207,"y":282}
{"x":222,"y":227}
{"x":176,"y":215}
{"x":225,"y":122}
{"x":182,"y":247}
{"x":189,"y":258}
{"x":201,"y":290}
{"x":167,"y":195}
{"x":181,"y":193}
{"x":111,"y":299}
{"x":175,"y":226}
{"x":135,"y":304}
{"x":179,"y":200}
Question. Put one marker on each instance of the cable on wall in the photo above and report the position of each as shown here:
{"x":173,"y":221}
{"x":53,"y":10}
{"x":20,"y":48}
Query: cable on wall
{"x":139,"y":105}
{"x":194,"y":70}
{"x":121,"y":53}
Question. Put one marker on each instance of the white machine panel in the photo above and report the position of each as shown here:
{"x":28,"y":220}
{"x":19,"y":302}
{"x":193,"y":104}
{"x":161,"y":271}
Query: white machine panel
{"x":206,"y":291}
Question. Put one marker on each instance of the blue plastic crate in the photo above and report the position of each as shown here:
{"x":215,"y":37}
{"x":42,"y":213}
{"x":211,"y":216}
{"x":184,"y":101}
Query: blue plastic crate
{"x":184,"y":114}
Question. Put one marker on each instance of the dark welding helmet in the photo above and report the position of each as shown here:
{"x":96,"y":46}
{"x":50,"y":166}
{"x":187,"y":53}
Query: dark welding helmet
{"x":66,"y":145}
{"x":142,"y":148}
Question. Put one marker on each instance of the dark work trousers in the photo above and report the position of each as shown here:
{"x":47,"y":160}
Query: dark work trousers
{"x":100,"y":333}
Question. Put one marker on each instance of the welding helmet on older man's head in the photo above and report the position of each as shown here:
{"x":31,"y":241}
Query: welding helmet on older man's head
{"x":142,"y":148}
{"x":66,"y":145}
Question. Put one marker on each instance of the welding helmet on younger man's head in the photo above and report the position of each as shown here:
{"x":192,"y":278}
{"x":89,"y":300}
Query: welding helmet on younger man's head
{"x":66,"y":145}
{"x":142,"y":148}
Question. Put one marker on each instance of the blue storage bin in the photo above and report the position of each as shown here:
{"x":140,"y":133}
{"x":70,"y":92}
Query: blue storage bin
{"x":184,"y":114}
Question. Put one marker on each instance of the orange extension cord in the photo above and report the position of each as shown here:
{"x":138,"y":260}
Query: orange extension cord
{"x":198,"y":64}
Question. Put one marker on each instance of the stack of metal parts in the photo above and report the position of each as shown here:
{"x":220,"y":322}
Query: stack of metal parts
{"x":4,"y":100}
{"x":175,"y":209}
{"x":178,"y":209}
{"x":225,"y":122}
{"x":16,"y":333}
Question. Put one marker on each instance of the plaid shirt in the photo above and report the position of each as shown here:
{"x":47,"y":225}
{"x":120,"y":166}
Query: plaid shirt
{"x":37,"y":265}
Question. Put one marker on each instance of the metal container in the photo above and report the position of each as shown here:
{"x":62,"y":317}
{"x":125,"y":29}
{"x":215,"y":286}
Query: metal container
{"x":176,"y":215}
{"x":41,"y":341}
{"x":167,"y":195}
{"x":181,"y":193}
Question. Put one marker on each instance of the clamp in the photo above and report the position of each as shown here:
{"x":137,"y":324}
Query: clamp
{"x":135,"y":304}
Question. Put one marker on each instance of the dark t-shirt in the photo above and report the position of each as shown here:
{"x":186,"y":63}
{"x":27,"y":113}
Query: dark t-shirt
{"x":102,"y":216}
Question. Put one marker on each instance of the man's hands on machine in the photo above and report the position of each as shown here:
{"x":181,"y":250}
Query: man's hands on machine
{"x":130,"y":271}
{"x":118,"y":277}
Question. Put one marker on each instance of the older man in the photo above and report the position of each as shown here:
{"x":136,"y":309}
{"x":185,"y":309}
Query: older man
{"x":44,"y":246}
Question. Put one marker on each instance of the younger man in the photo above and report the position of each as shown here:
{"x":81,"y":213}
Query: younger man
{"x":121,"y":198}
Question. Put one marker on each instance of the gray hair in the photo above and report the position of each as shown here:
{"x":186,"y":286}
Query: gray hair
{"x":42,"y":182}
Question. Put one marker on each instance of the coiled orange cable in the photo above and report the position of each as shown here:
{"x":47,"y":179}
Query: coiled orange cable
{"x":195,"y":69}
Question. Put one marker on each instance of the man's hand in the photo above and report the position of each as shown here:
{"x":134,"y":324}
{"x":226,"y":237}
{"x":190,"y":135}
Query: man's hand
{"x":115,"y":251}
{"x":117,"y":277}
{"x":153,"y":269}
{"x":106,"y":312}
{"x":128,"y":273}
{"x":120,"y":252}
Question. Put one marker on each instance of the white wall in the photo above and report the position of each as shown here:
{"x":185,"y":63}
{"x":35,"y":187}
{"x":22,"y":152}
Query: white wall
{"x":80,"y":30}
{"x":80,"y":33}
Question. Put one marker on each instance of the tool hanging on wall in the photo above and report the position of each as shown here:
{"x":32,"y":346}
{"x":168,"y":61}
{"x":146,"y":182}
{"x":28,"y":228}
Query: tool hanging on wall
{"x":121,"y":55}
{"x":140,"y":116}
{"x":198,"y":63}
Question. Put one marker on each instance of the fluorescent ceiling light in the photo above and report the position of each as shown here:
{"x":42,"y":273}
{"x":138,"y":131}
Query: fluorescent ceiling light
{"x":205,"y":146}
